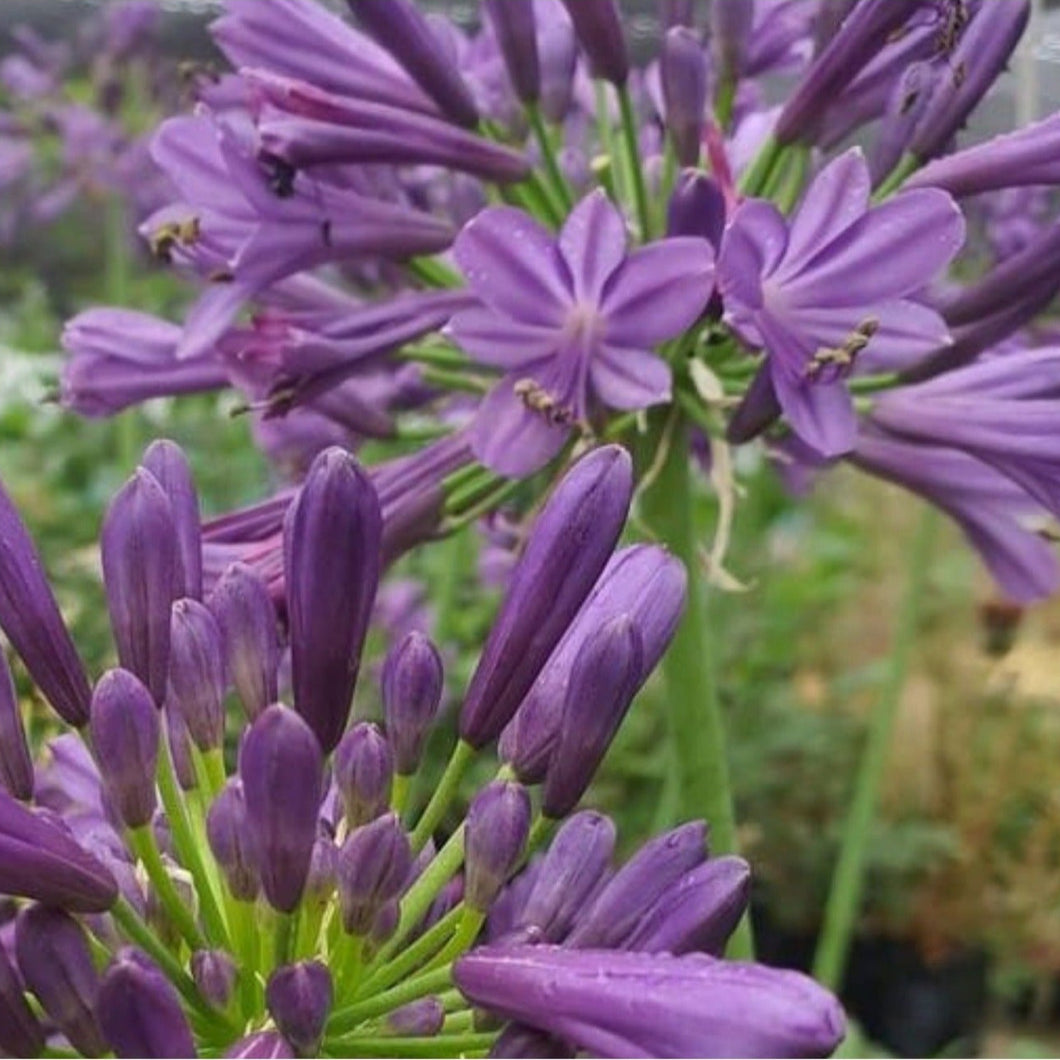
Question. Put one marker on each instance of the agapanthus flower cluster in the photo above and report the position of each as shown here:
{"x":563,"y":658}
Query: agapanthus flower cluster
{"x":517,"y":232}
{"x":75,"y":116}
{"x":201,"y":868}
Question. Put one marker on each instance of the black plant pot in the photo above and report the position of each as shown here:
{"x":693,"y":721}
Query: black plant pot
{"x":910,"y":1007}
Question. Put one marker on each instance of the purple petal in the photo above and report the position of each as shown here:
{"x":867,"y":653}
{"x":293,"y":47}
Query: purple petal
{"x":593,"y":244}
{"x":893,"y":250}
{"x":659,"y":291}
{"x":512,"y":263}
{"x":510,"y":438}
{"x":838,"y":197}
{"x":629,"y":378}
{"x":494,"y":339}
{"x":821,"y":414}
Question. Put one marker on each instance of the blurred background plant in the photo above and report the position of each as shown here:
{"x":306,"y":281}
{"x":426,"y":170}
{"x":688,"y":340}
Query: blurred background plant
{"x":963,"y":903}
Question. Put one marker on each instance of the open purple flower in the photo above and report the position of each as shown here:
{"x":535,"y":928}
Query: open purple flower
{"x":839,"y":278}
{"x":572,"y":321}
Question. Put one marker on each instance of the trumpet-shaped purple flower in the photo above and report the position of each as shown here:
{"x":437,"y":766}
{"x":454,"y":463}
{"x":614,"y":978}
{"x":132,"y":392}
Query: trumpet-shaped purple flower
{"x":814,"y":293}
{"x":572,"y":321}
{"x":612,"y":1003}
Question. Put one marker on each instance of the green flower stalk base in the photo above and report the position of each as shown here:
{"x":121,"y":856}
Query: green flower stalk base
{"x":844,"y":898}
{"x":696,"y":727}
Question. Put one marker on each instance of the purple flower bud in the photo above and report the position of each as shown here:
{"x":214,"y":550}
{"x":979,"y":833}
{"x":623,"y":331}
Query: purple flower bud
{"x":558,"y":58}
{"x":282,"y":771}
{"x":412,"y":692}
{"x":400,"y":28}
{"x":215,"y":974}
{"x":364,"y":768}
{"x":417,"y":1019}
{"x":618,"y":1003}
{"x":39,"y":859}
{"x":167,"y":462}
{"x":372,"y":869}
{"x":659,"y":864}
{"x":862,"y":34}
{"x":20,"y":1033}
{"x":16,"y":765}
{"x":320,"y":883}
{"x":143,"y":576}
{"x":245,"y":613}
{"x":568,"y":547}
{"x":264,"y":1045}
{"x":577,"y":860}
{"x":598,"y":27}
{"x":331,"y":546}
{"x":515,"y":29}
{"x":180,"y":747}
{"x":56,"y":965}
{"x":228,"y":834}
{"x":604,"y":679}
{"x":196,"y":672}
{"x":696,"y":208}
{"x":644,"y":582}
{"x":125,"y":733}
{"x":730,"y":33}
{"x":519,"y":1040}
{"x":498,"y":822}
{"x":30,"y":617}
{"x":683,"y":67}
{"x":698,"y":913}
{"x":980,"y":56}
{"x":385,"y":923}
{"x":139,"y":1011}
{"x":299,"y":998}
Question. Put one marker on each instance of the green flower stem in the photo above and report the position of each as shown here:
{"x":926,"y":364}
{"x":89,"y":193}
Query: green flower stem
{"x":144,"y":845}
{"x":848,"y":880}
{"x":907,"y":165}
{"x":698,"y":759}
{"x":869,"y":384}
{"x":399,"y":793}
{"x":439,"y":1046}
{"x":471,"y":921}
{"x":190,"y":849}
{"x":559,"y":184}
{"x":414,"y":955}
{"x":459,"y":1022}
{"x":445,"y":379}
{"x":633,"y":162}
{"x":439,"y":356}
{"x":344,"y":1020}
{"x":433,"y":272}
{"x":724,"y":98}
{"x":418,"y":897}
{"x":788,"y":187}
{"x":286,"y":931}
{"x":606,"y":134}
{"x":470,"y":490}
{"x":245,"y":932}
{"x":457,"y":561}
{"x":489,"y":502}
{"x":443,"y":795}
{"x":757,"y":174}
{"x":127,"y":918}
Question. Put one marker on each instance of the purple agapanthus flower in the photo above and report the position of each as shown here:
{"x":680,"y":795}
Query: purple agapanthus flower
{"x":572,"y":320}
{"x":841,"y":276}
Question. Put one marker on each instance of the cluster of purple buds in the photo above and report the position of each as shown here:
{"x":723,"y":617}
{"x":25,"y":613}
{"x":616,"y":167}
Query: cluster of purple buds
{"x":200,"y":869}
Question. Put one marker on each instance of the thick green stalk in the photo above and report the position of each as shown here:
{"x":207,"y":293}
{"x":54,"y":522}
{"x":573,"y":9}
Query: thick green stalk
{"x":848,"y":880}
{"x":907,"y":165}
{"x":438,"y":1046}
{"x":413,"y":955}
{"x":698,"y":760}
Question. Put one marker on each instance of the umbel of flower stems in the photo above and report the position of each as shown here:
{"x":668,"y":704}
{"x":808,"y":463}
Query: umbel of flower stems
{"x":275,"y":901}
